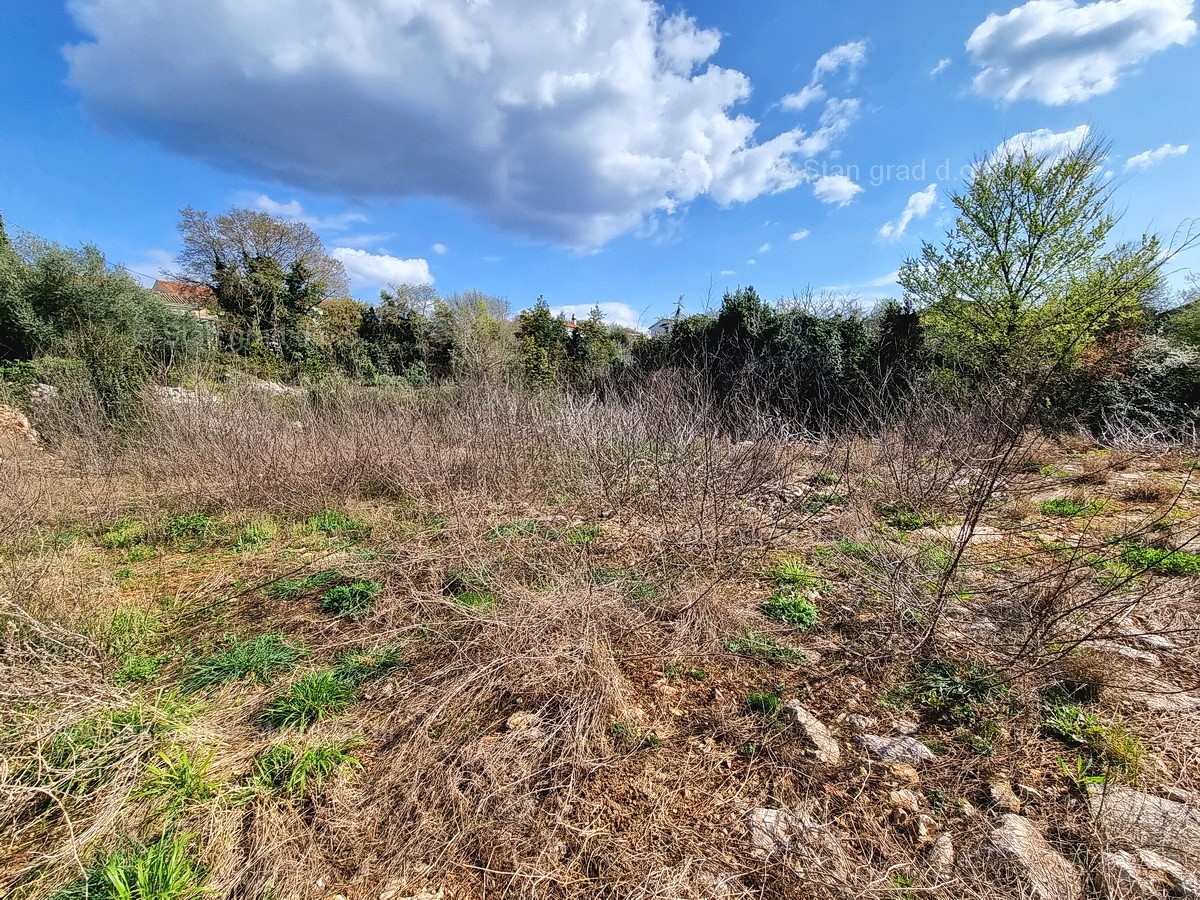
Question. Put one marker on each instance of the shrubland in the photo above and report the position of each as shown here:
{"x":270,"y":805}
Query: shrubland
{"x":784,"y":604}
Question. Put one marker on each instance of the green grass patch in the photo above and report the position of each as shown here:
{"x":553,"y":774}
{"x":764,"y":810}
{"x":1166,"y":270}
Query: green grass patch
{"x":298,"y":773}
{"x":522,"y":528}
{"x":907,"y":518}
{"x":791,"y":609}
{"x":164,"y":870}
{"x":477,"y":601}
{"x":256,"y":533}
{"x":261,"y":657}
{"x":762,"y":646}
{"x":125,"y":534}
{"x":1067,"y":507}
{"x":309,"y":699}
{"x":634,"y":737}
{"x":353,"y":600}
{"x":1117,"y":745}
{"x":818,"y":501}
{"x":764,"y":703}
{"x":139,"y":668}
{"x":794,"y":574}
{"x":129,"y":629}
{"x":178,"y":780}
{"x":303,"y":585}
{"x":192,"y":530}
{"x":1164,"y":562}
{"x":335,"y":523}
{"x":582,"y":535}
{"x":362,"y":664}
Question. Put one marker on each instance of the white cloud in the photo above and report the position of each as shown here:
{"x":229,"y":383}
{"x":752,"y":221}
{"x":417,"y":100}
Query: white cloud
{"x":942,"y":66}
{"x":1061,"y":51}
{"x":752,"y":262}
{"x":799,"y":235}
{"x":380,"y":269}
{"x":765,"y":248}
{"x":614,"y":313}
{"x":837,"y":189}
{"x":1152,"y":157}
{"x":571,"y":122}
{"x":726,"y":272}
{"x":1044,"y":142}
{"x":803,"y":98}
{"x":888,"y":280}
{"x":918,"y":205}
{"x":440,"y":249}
{"x":295,"y":212}
{"x":850,"y":56}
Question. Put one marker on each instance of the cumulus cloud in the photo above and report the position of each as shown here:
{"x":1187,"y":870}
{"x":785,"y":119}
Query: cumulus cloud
{"x":838,"y":189}
{"x":572,"y":123}
{"x":942,"y":66}
{"x":918,"y":205}
{"x":379,"y":269}
{"x":440,"y":249}
{"x":1153,"y":157}
{"x":294,"y":211}
{"x":727,"y":272}
{"x":803,"y":98}
{"x":614,"y":313}
{"x":765,"y":248}
{"x":799,"y":235}
{"x":1062,"y":51}
{"x":1044,"y":142}
{"x":850,"y":57}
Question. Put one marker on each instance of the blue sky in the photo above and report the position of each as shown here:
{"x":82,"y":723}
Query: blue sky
{"x":592,"y":151}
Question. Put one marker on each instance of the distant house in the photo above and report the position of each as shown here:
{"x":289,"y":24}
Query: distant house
{"x":662,"y":327}
{"x":197,"y":300}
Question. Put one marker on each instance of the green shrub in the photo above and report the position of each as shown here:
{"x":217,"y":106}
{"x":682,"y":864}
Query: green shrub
{"x":263,"y":656}
{"x":309,"y":699}
{"x":191,"y":530}
{"x":353,"y":600}
{"x":762,"y":646}
{"x":792,"y":609}
{"x":124,"y":534}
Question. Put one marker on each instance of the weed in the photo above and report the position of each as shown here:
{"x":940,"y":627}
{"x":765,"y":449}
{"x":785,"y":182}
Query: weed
{"x":124,"y":535}
{"x":792,"y":609}
{"x":763,"y":703}
{"x":907,"y":518}
{"x":479,"y":601}
{"x":762,"y":646}
{"x":292,"y":588}
{"x":1164,"y":562}
{"x":1119,"y":746}
{"x":1081,"y":773}
{"x":936,"y":558}
{"x":674,"y":671}
{"x":164,"y":870}
{"x":952,"y":690}
{"x":632,"y":736}
{"x":353,"y":600}
{"x":824,"y":479}
{"x":335,"y":523}
{"x":794,"y":574}
{"x":139,"y":668}
{"x":582,"y":535}
{"x":178,"y":780}
{"x":1067,"y":507}
{"x":129,"y":628}
{"x":523,"y":528}
{"x":309,"y":699}
{"x":300,"y":773}
{"x":256,"y":533}
{"x":856,"y":549}
{"x":190,"y":531}
{"x":816,"y":502}
{"x":263,"y":656}
{"x":138,"y":553}
{"x":359,"y":665}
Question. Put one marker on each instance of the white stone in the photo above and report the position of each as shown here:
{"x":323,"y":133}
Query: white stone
{"x":815,"y":734}
{"x":907,"y":750}
{"x":1018,"y":847}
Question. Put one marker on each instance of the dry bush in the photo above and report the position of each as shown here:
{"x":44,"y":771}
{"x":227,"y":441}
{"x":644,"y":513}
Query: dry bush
{"x":1149,"y":490}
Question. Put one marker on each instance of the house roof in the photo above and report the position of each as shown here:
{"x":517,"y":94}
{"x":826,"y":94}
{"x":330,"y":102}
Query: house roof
{"x":182,"y":292}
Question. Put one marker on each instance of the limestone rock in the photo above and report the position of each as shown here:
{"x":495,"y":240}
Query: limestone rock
{"x":939,"y":855}
{"x":807,"y":845}
{"x":860,"y":723}
{"x":1003,"y":797}
{"x":906,"y":750}
{"x":15,"y":428}
{"x":1020,"y":849}
{"x":1133,"y":819}
{"x":807,"y":726}
{"x":1144,"y":875}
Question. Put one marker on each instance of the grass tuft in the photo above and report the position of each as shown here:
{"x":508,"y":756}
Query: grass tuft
{"x":292,"y":588}
{"x":299,"y":773}
{"x":262,"y":657}
{"x":178,"y":780}
{"x":164,"y":870}
{"x":791,"y":609}
{"x":353,"y":600}
{"x":762,"y":646}
{"x":309,"y":699}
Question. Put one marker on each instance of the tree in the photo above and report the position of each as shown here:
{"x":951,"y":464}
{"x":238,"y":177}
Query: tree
{"x":1026,"y":282}
{"x":268,"y":275}
{"x":591,"y":351}
{"x":542,"y":344}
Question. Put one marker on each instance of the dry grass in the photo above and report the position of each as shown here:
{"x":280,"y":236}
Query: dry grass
{"x":560,"y":583}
